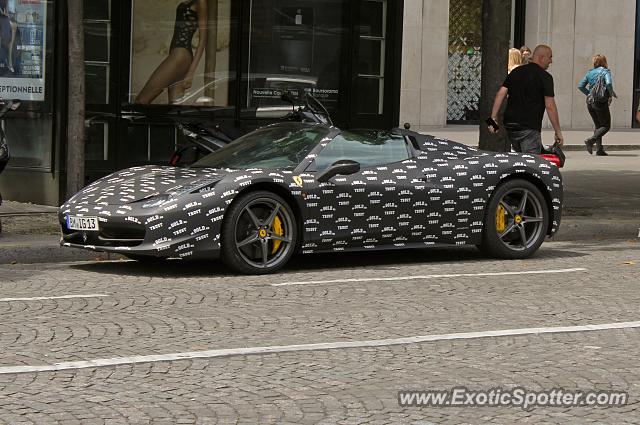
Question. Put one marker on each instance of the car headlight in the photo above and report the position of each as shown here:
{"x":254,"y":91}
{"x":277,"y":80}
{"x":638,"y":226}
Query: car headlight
{"x":156,"y":201}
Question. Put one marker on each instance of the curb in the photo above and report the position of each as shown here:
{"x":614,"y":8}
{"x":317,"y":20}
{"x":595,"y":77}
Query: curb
{"x":577,"y":148}
{"x":34,"y":249}
{"x":574,"y":148}
{"x":597,"y":228}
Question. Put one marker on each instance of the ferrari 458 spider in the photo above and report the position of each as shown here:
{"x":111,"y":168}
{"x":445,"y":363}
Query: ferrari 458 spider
{"x":300,"y":187}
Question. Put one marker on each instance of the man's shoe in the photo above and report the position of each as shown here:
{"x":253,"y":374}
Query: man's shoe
{"x":602,"y":153}
{"x":589,"y":144}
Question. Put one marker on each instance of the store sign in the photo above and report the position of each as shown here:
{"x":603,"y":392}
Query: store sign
{"x":267,"y":93}
{"x":22,"y":49}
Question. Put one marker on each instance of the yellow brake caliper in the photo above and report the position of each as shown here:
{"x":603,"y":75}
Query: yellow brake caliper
{"x":277,"y":229}
{"x":500,"y":224}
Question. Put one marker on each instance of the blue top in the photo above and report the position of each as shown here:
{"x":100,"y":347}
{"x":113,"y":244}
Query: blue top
{"x":590,"y":78}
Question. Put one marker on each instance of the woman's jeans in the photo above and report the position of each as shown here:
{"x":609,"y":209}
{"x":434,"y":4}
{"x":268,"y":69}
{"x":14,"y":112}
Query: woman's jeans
{"x":602,"y":120}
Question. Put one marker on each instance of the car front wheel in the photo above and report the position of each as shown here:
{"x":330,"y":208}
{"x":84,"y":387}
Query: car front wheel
{"x":516,"y":221}
{"x":259,"y":233}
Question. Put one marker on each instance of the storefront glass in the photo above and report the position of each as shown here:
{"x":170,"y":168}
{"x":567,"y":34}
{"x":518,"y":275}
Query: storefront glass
{"x":23,"y":41}
{"x":152,"y":63}
{"x":97,"y":40}
{"x":296,"y":47}
{"x":26,"y":47}
{"x":465,"y":61}
{"x":636,"y":82}
{"x":372,"y":54}
{"x":181,"y":53}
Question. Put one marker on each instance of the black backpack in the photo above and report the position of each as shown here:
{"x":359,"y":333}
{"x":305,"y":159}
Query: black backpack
{"x":599,"y":92}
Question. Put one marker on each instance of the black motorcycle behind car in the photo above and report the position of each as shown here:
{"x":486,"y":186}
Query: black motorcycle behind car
{"x":204,"y":138}
{"x":5,"y":106}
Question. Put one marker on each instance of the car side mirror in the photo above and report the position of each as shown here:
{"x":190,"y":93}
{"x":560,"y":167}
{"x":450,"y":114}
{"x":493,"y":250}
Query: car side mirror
{"x":343,"y":167}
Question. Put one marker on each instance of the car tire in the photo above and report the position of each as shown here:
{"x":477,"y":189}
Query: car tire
{"x":259,"y":233}
{"x":516,"y":221}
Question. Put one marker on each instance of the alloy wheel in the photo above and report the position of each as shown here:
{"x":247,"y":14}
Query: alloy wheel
{"x":264,"y":233}
{"x":519,"y":219}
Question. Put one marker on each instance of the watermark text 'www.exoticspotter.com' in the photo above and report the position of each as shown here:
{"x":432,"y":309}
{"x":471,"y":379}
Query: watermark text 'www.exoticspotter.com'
{"x":512,"y":397}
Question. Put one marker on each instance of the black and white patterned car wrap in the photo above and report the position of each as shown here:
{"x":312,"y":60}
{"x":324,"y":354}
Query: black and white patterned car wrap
{"x":439,"y":196}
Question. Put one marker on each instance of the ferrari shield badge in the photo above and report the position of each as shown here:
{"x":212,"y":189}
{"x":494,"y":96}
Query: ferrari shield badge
{"x":298,"y":181}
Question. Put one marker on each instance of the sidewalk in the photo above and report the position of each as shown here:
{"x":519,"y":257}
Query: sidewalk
{"x":602,"y":201}
{"x":31,"y":234}
{"x":615,"y":140}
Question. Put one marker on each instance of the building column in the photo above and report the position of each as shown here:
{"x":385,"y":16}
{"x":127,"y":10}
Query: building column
{"x":423,"y":94}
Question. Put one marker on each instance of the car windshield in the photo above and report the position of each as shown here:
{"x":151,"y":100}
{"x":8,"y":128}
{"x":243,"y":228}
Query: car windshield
{"x":281,"y":146}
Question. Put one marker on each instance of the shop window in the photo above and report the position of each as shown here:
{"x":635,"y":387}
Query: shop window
{"x":25,"y":38}
{"x":137,"y":144}
{"x":97,"y":33}
{"x":373,"y":18}
{"x":97,"y":9}
{"x":295,"y":47}
{"x":149,"y":143}
{"x":371,"y":57}
{"x":162,"y":143}
{"x":636,"y":82}
{"x":26,"y":73}
{"x":97,"y":86}
{"x":174,"y":60}
{"x":370,"y":95}
{"x":96,"y":40}
{"x":465,"y":61}
{"x":97,"y":142}
{"x":29,"y":142}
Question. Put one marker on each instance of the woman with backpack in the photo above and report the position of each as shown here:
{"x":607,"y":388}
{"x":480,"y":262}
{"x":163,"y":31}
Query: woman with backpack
{"x":597,"y":85}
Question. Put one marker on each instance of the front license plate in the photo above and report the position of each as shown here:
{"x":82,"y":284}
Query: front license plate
{"x":82,"y":223}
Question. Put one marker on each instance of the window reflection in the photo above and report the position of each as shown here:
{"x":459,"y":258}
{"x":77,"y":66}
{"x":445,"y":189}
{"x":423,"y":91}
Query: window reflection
{"x":367,"y":147}
{"x":295,"y":47}
{"x":181,"y":52}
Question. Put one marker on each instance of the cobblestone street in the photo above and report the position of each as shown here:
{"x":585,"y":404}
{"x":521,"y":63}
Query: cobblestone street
{"x":183,"y":313}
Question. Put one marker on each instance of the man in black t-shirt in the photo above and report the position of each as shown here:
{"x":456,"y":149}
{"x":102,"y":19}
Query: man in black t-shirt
{"x":529,"y":92}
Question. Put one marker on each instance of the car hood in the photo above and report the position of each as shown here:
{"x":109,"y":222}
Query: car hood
{"x":138,"y":183}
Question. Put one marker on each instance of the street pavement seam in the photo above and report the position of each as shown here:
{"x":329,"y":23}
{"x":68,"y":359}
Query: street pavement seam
{"x":232,"y":352}
{"x":61,"y":297}
{"x":430,"y":276}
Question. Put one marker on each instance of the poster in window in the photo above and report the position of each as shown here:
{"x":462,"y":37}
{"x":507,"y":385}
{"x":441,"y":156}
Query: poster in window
{"x":22,"y":49}
{"x":180,"y":52}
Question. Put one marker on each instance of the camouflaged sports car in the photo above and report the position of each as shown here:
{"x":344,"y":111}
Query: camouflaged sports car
{"x":313,"y":188}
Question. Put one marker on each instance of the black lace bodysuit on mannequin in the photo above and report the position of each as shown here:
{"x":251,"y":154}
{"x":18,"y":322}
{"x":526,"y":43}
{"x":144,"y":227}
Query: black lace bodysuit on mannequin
{"x":186,"y":25}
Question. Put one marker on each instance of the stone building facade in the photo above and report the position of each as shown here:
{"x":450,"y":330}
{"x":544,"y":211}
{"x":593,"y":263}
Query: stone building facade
{"x":575,"y":29}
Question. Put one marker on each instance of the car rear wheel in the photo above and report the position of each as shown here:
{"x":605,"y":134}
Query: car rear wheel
{"x":516,"y":221}
{"x":259,"y":233}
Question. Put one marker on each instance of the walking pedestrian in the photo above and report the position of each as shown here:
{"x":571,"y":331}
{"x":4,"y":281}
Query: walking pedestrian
{"x":529,"y":92}
{"x":515,"y":60}
{"x":597,"y":85}
{"x":525,"y":52}
{"x":638,"y":114}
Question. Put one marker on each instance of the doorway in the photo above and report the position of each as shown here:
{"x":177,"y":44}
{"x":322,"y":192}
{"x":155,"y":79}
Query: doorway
{"x":345,"y":53}
{"x":375,"y":66}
